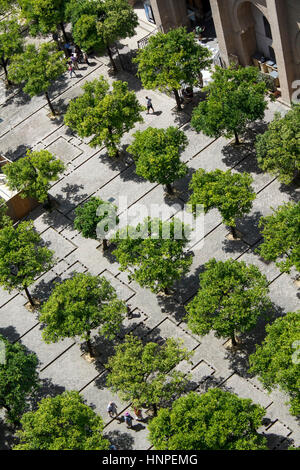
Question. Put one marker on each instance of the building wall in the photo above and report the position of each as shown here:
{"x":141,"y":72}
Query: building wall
{"x":240,"y":31}
{"x":17,"y":207}
{"x":170,"y":13}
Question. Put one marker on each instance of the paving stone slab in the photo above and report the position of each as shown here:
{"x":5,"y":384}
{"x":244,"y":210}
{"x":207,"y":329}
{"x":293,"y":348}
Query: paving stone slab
{"x":285,"y":294}
{"x":46,"y":353}
{"x":210,"y":350}
{"x":123,"y":291}
{"x":6,"y":296}
{"x":94,"y":260}
{"x":155,"y":307}
{"x":26,"y":135}
{"x":199,"y":226}
{"x":210,"y":158}
{"x":85,"y":181}
{"x":127,"y":439}
{"x":71,"y":271}
{"x":60,"y":267}
{"x":127,"y":186}
{"x":168,"y":329}
{"x":42,"y":220}
{"x":269,"y":269}
{"x":71,"y":370}
{"x":15,"y":319}
{"x":246,"y":389}
{"x":279,"y":411}
{"x":64,"y":150}
{"x":202,"y":371}
{"x":98,"y":395}
{"x":271,"y":197}
{"x":57,"y":243}
{"x":155,"y":204}
{"x":215,"y":245}
{"x":275,"y":434}
{"x":260,"y":179}
{"x":137,"y":317}
{"x":196,"y":142}
{"x":43,"y":286}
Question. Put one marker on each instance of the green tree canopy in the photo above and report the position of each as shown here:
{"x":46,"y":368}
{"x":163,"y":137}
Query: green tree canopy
{"x":18,"y":378}
{"x":11,"y":42}
{"x":80,"y":304}
{"x":157,"y":155}
{"x":98,"y":24}
{"x":32,"y":174}
{"x":278,"y":149}
{"x":145,"y":374}
{"x":231,"y":298}
{"x":170,"y":60}
{"x":236,"y":97}
{"x":4,"y":219}
{"x":230,"y":193}
{"x":6,"y":5}
{"x":63,"y":422}
{"x":22,"y":257}
{"x":43,"y":16}
{"x":38,"y":68}
{"x":105,"y":115}
{"x":215,"y":420}
{"x":155,"y":261}
{"x":281,"y":232}
{"x":84,"y":15}
{"x":94,"y":214}
{"x":277,"y":359}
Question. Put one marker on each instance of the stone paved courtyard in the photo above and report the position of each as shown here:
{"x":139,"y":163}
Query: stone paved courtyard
{"x":25,"y":124}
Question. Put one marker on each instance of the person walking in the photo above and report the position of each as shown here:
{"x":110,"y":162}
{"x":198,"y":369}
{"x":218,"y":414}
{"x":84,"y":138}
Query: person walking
{"x":128,"y":419}
{"x":112,"y":409}
{"x":138,"y":414}
{"x":85,"y":57}
{"x":74,"y":60}
{"x":71,"y":69}
{"x":149,"y":105}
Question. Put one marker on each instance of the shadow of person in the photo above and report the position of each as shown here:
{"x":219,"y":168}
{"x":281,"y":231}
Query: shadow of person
{"x":137,"y":427}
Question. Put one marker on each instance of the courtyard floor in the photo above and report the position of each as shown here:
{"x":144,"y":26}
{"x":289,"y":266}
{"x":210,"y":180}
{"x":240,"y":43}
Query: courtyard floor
{"x":90,"y":172}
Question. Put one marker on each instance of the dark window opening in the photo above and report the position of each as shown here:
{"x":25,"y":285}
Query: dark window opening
{"x":272,"y":54}
{"x":267,"y":28}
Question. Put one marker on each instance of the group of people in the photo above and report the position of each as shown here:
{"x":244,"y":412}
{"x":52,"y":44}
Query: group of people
{"x":112,"y":412}
{"x":76,"y":56}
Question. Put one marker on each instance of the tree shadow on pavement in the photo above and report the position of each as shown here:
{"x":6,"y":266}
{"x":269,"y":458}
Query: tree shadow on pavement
{"x":122,"y":440}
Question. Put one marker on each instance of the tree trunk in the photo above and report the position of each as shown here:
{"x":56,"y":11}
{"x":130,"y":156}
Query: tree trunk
{"x":237,"y":141}
{"x":177,"y":98}
{"x":49,"y":103}
{"x":154,"y":407}
{"x":105,"y":246}
{"x":29,"y":297}
{"x":111,"y":59}
{"x":117,"y":153}
{"x":169,"y":189}
{"x":166,"y":291}
{"x":64,"y":32}
{"x":48,"y":204}
{"x":4,"y":65}
{"x":233,"y":232}
{"x":233,"y":340}
{"x":89,"y":345}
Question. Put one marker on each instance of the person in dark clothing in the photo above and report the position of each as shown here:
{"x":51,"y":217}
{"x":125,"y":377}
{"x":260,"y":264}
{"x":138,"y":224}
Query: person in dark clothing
{"x":149,"y":105}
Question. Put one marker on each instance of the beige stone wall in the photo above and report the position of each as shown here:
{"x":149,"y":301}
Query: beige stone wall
{"x":170,"y":13}
{"x":237,"y":34}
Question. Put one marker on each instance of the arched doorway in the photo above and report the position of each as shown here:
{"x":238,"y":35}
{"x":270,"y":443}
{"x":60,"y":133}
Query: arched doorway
{"x":256,"y":33}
